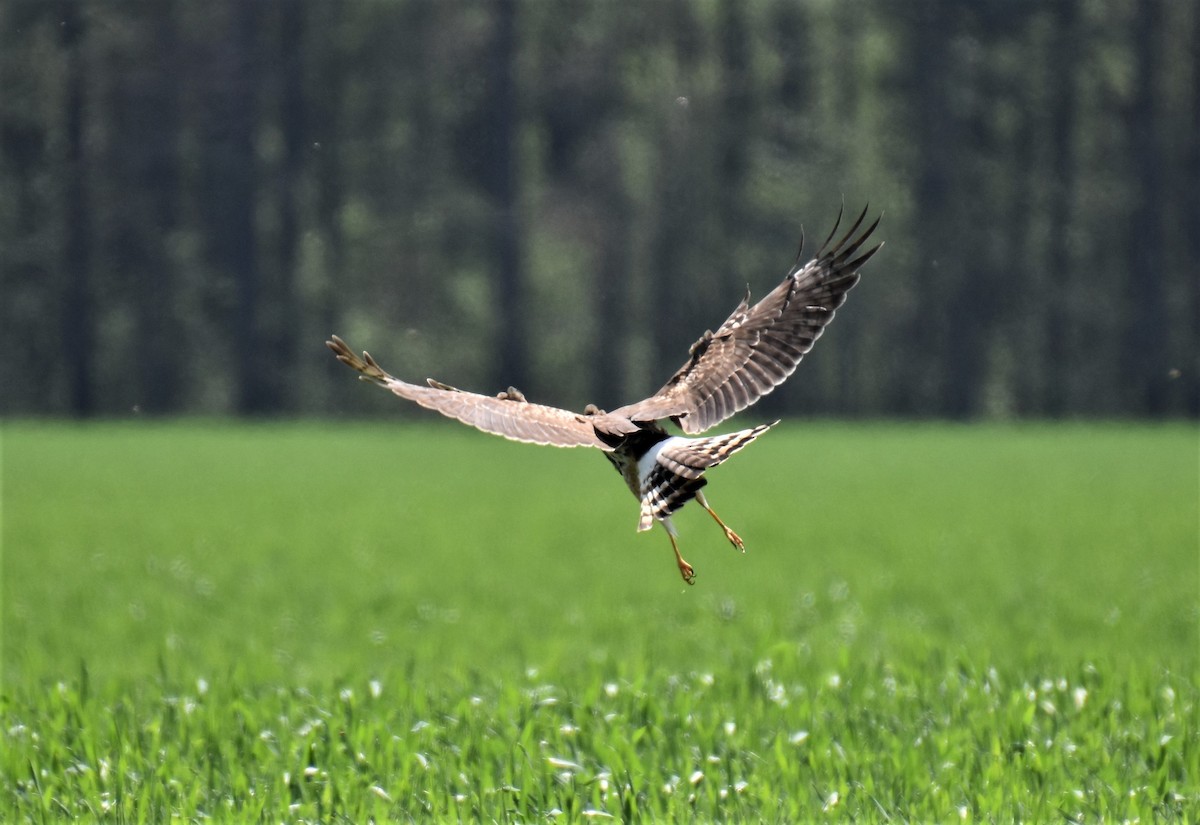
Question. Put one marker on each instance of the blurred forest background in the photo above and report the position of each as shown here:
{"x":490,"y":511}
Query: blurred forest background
{"x":564,"y":195}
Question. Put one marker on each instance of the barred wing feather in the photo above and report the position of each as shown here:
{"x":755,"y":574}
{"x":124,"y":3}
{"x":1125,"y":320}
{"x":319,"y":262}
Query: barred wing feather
{"x":507,"y":415}
{"x":759,"y":346}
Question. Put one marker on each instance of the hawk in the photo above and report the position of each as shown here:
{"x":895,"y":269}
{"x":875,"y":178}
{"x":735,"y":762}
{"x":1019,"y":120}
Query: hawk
{"x":753,"y":352}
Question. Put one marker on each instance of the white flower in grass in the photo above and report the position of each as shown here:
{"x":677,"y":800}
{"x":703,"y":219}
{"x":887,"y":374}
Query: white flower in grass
{"x":696,"y":778}
{"x":611,"y":689}
{"x":1079,"y":695}
{"x":776,"y":692}
{"x":381,"y":793}
{"x":831,"y":801}
{"x":799,"y":737}
{"x":375,"y":687}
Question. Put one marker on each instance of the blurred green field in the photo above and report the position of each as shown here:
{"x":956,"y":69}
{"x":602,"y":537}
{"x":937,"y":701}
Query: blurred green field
{"x":412,"y":622}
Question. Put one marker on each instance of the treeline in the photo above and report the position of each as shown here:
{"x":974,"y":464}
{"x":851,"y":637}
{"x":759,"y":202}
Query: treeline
{"x":563,"y":195}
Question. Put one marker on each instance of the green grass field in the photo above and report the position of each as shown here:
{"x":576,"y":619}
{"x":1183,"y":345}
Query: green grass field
{"x":404,"y":622}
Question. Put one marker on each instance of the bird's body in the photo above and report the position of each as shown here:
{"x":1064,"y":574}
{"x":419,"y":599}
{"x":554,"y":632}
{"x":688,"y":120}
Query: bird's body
{"x":634,"y":456}
{"x":754,"y":351}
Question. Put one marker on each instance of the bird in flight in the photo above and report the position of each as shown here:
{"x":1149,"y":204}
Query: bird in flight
{"x":753,"y":352}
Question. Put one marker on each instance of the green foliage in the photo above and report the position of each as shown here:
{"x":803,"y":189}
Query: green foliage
{"x":197,"y":193}
{"x":287,"y":623}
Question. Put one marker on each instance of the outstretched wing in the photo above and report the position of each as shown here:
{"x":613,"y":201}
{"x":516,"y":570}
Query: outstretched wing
{"x":508,"y":414}
{"x":759,"y":346}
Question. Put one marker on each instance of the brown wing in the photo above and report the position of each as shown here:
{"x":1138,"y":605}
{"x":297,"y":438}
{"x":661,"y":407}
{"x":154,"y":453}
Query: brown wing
{"x":759,"y":346}
{"x":508,"y":415}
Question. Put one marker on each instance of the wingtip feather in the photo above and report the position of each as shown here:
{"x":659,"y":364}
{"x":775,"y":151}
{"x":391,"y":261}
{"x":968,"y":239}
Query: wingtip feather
{"x":832,"y":232}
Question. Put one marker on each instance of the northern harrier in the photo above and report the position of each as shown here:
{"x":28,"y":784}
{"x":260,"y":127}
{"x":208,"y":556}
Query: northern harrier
{"x":753,"y":352}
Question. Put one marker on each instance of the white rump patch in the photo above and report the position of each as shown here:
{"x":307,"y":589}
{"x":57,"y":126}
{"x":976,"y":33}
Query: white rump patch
{"x":646,"y":463}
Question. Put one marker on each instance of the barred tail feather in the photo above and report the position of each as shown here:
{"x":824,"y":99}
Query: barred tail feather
{"x":692,"y":456}
{"x":666,"y":493}
{"x":678,"y":471}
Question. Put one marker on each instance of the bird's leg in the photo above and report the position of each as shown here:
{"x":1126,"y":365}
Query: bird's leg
{"x":733,"y":537}
{"x":685,"y":569}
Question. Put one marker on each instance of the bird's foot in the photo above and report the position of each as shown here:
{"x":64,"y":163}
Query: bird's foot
{"x":685,"y":570}
{"x":735,"y":539}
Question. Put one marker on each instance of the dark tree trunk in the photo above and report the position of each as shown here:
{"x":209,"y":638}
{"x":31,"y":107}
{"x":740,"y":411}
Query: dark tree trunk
{"x":146,"y":162}
{"x":1061,"y":181}
{"x":78,"y":331}
{"x":1145,"y":349}
{"x":284,"y":306}
{"x":677,"y":226}
{"x":614,"y":290}
{"x":502,"y":175}
{"x":31,"y":322}
{"x":734,"y":133}
{"x":231,"y":190}
{"x":1189,"y":370}
{"x":934,"y":130}
{"x":679,"y":213}
{"x":1020,"y":301}
{"x":327,"y":129}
